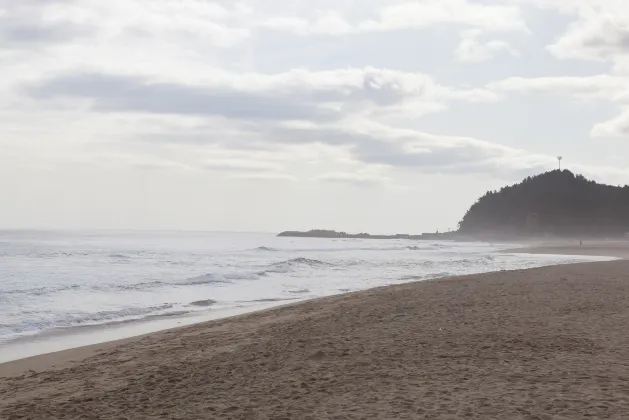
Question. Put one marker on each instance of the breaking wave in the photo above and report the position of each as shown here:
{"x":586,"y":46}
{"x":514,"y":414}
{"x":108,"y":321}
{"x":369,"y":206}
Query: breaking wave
{"x":218,"y":278}
{"x":266,"y":248}
{"x":346,"y":249}
{"x":299,"y":291}
{"x":292,"y":264}
{"x":203,"y":303}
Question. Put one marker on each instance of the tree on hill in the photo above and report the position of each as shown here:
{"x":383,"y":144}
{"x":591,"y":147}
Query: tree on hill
{"x":556,"y":202}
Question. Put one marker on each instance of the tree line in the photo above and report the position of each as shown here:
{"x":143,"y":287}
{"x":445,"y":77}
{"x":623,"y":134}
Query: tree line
{"x":556,"y":202}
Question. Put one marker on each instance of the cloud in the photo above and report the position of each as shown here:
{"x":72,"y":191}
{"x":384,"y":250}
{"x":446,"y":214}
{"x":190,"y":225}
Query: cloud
{"x":295,"y":95}
{"x":616,"y":127}
{"x":20,"y":34}
{"x":601,"y":86}
{"x":373,"y":145}
{"x":429,"y":153}
{"x":264,"y":176}
{"x":116,"y":93}
{"x":597,"y":35}
{"x":329,"y":23}
{"x":238,"y":106}
{"x":25,"y":25}
{"x":221,"y":24}
{"x":473,"y":50}
{"x":365,"y":152}
{"x":158,"y":19}
{"x":599,"y":32}
{"x":409,"y":14}
{"x":353,"y":178}
{"x":403,"y":16}
{"x":230,"y":165}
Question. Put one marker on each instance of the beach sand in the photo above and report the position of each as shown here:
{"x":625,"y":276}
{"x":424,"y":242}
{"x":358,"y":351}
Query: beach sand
{"x":612,"y":248}
{"x":548,"y":343}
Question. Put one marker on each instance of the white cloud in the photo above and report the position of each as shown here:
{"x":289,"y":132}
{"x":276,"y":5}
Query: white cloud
{"x":601,"y":86}
{"x":240,"y":165}
{"x":156,"y":19}
{"x":295,"y":95}
{"x":616,"y":127}
{"x":264,"y":176}
{"x":603,"y":36}
{"x":599,"y":32}
{"x":329,"y":23}
{"x":354,"y":178}
{"x":405,"y":15}
{"x":368,"y":150}
{"x":473,"y":50}
{"x":494,"y":16}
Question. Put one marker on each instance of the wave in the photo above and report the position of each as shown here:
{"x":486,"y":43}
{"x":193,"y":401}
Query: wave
{"x":280,"y":267}
{"x":157,"y":316}
{"x":203,"y":303}
{"x":266,"y":248}
{"x":289,"y":265}
{"x":427,"y":247}
{"x":99,"y":317}
{"x":309,"y":262}
{"x":426,"y":276}
{"x":269,"y":300}
{"x":81,"y":319}
{"x":411,"y":278}
{"x":119,"y":256}
{"x":40,"y":291}
{"x":210,"y":278}
{"x":131,"y":286}
{"x":86,"y":320}
{"x":204,"y":279}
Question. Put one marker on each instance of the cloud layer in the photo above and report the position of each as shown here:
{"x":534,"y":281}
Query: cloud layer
{"x":368,"y":95}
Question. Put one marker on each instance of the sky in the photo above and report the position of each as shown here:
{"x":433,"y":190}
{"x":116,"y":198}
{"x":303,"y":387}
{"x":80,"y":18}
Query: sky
{"x":381,"y":116}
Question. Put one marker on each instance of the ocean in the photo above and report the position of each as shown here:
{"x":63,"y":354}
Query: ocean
{"x":59,"y":281}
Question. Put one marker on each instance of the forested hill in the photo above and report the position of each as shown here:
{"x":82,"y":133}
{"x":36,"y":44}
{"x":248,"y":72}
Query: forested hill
{"x":556,"y":202}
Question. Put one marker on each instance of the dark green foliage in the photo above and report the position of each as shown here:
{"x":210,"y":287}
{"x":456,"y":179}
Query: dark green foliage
{"x":556,"y":202}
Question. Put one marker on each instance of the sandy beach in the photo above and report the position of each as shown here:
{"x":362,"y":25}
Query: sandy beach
{"x":615,"y":248}
{"x":548,"y":343}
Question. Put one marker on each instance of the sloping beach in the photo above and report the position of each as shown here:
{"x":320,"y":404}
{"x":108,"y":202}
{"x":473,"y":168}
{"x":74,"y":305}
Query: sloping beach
{"x":547,"y":343}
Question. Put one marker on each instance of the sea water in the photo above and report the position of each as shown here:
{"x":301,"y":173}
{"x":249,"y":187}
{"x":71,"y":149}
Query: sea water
{"x":58,"y":281}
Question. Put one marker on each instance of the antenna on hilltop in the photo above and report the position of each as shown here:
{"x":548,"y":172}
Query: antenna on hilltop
{"x":559,"y":158}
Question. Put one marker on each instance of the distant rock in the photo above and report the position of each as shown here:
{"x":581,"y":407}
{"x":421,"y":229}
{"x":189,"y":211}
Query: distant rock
{"x":322,"y":233}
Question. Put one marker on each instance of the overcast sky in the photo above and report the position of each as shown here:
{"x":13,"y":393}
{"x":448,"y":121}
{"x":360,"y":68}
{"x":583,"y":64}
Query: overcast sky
{"x":265,"y":115}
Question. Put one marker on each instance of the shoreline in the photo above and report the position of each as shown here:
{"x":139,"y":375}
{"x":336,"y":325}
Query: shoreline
{"x":79,"y":341}
{"x":544,"y":341}
{"x":74,"y":338}
{"x":616,"y":249}
{"x":58,"y":359}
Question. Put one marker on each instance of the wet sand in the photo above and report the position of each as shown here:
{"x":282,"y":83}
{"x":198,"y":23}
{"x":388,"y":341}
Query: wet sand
{"x":548,"y":343}
{"x":612,"y":248}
